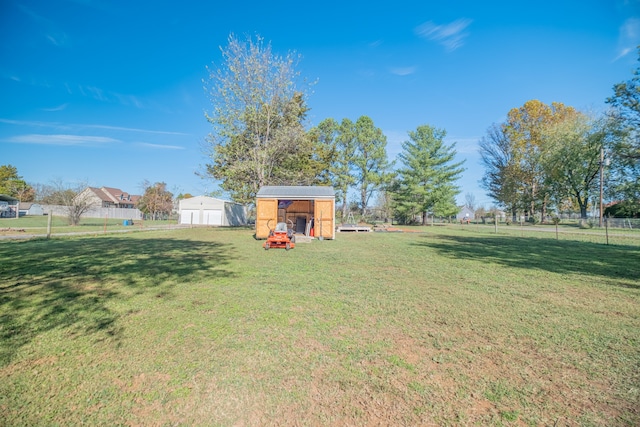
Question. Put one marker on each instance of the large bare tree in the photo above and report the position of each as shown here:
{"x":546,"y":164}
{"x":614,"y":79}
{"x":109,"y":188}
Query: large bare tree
{"x":75,"y":200}
{"x":257,"y":137}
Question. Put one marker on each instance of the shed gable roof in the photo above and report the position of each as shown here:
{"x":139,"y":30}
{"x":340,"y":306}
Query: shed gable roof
{"x":299,"y":192}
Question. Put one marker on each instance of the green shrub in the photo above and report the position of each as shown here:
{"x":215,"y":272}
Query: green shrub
{"x":585,"y":224}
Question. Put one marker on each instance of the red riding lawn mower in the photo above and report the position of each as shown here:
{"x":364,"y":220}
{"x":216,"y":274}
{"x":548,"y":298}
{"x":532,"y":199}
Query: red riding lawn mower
{"x":280,"y":237}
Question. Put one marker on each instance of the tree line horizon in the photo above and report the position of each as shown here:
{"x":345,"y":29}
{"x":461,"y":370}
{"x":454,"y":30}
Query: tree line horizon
{"x":542,"y":158}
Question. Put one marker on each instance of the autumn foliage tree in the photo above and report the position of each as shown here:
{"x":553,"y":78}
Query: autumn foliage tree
{"x":156,"y":200}
{"x":13,"y":185}
{"x":514,"y":155}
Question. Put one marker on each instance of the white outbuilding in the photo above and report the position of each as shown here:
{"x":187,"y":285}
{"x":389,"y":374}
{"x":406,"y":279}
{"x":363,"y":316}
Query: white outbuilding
{"x":205,"y":210}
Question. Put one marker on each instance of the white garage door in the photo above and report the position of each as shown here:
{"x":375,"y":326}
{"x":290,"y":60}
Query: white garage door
{"x":186,"y":216}
{"x":212,"y":217}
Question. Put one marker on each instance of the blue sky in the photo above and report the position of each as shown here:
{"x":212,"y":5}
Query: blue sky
{"x":110,"y":93}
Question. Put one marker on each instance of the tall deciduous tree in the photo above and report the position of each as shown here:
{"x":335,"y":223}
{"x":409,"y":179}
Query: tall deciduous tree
{"x":426,"y":182}
{"x":526,"y":127}
{"x":572,"y":159}
{"x":502,"y":177}
{"x":625,"y":163}
{"x":75,"y":200}
{"x":258,"y":112}
{"x":470,"y":201}
{"x":156,"y":201}
{"x":370,"y":163}
{"x":13,"y":185}
{"x":337,"y":141}
{"x":514,"y":152}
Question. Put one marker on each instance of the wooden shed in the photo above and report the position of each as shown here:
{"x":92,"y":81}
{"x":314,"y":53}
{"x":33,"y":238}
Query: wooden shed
{"x":311,"y":210}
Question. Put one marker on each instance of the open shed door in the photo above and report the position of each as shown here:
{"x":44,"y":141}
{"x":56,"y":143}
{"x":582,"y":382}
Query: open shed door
{"x":324,"y":219}
{"x":266,"y":209}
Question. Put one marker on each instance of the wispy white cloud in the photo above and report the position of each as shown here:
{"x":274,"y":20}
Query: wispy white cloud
{"x":58,"y":39}
{"x":161,"y":146}
{"x":33,"y":15}
{"x":102,"y":95}
{"x":32,"y":123}
{"x":64,"y":140}
{"x":464,"y":145}
{"x":451,"y":35}
{"x":403,"y":71}
{"x":126,"y":129}
{"x":628,"y":38}
{"x":129,"y":100}
{"x":58,"y":108}
{"x":94,"y":92}
{"x":78,"y":127}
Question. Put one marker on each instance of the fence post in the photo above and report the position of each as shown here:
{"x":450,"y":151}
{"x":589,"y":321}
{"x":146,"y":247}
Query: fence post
{"x":49,"y":224}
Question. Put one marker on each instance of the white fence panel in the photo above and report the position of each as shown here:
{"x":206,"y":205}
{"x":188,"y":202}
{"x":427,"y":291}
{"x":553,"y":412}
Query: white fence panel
{"x":117,"y":213}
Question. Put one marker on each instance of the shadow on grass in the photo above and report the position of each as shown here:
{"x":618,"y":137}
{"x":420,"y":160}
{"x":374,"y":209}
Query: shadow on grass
{"x":69,"y":283}
{"x":617,"y":265}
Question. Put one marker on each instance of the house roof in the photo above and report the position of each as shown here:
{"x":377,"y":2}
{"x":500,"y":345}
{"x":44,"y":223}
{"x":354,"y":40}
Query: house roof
{"x":114,"y":195}
{"x":297,"y":192}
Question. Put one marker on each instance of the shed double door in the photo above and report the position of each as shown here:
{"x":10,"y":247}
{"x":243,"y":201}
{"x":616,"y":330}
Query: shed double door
{"x":266,"y":210}
{"x":323,"y":216}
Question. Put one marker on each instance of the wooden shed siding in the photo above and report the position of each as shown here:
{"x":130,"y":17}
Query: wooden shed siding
{"x":324,"y":214}
{"x":266,"y":209}
{"x":306,"y":202}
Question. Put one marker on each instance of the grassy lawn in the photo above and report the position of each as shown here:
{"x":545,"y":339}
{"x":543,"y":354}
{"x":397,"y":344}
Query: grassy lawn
{"x":448,"y":326}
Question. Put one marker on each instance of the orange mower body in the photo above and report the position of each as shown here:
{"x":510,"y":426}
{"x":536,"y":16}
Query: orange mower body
{"x":281,"y":237}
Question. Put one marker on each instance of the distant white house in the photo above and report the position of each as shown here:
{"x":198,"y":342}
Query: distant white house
{"x":31,"y":209}
{"x":205,"y":210}
{"x":109,"y":197}
{"x":465,"y":214}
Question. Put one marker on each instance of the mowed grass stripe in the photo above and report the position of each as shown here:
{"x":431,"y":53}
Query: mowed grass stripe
{"x":204,"y":327}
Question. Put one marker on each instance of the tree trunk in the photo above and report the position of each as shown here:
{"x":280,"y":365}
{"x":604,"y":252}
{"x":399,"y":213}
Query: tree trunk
{"x":583,"y":210}
{"x":583,"y":206}
{"x":425,"y":216}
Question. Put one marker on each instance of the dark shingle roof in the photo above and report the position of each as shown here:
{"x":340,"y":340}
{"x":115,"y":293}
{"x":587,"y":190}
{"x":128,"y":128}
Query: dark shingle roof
{"x":298,"y":192}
